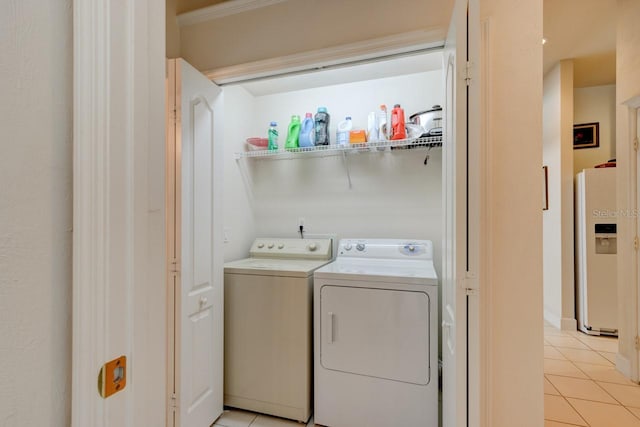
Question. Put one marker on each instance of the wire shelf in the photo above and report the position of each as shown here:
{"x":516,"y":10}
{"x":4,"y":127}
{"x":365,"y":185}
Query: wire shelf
{"x":336,"y":150}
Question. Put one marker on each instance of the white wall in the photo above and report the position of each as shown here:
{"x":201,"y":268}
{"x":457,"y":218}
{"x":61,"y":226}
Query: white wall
{"x":627,"y":86}
{"x":595,"y":104}
{"x":35,"y":212}
{"x":558,"y":228}
{"x":511,"y":73}
{"x":394,"y":194}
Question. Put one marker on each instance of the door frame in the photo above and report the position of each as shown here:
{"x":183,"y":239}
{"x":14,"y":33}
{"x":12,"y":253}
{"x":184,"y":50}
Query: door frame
{"x":119,"y":300}
{"x":629,"y":328}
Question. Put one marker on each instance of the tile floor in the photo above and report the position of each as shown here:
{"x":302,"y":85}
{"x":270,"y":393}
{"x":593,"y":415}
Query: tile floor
{"x":582,"y":386}
{"x":239,"y":418}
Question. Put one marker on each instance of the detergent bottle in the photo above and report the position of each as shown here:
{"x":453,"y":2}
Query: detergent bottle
{"x":322,"y":126}
{"x":307,"y":132}
{"x":293,"y":133}
{"x":397,"y":123}
{"x":273,"y":136}
{"x":344,"y":127}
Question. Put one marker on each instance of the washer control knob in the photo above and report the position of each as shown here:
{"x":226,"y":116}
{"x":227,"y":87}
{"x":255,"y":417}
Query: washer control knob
{"x":411,"y":248}
{"x":260,"y":245}
{"x":360,"y":247}
{"x":280,"y":245}
{"x":313,"y":247}
{"x":347,"y":247}
{"x":270,"y":246}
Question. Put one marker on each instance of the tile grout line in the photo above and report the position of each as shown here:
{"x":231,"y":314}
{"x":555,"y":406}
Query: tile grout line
{"x":577,"y":412}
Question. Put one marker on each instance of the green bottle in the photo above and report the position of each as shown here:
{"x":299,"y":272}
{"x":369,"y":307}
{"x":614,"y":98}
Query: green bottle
{"x":273,"y":137}
{"x":293,"y":134}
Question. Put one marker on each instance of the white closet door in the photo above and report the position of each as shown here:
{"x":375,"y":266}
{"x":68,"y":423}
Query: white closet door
{"x":198,"y":262}
{"x":461,"y":215}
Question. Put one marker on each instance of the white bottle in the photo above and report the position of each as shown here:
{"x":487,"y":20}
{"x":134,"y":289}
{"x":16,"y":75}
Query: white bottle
{"x":372,"y":127}
{"x":382,"y":123}
{"x":344,"y":127}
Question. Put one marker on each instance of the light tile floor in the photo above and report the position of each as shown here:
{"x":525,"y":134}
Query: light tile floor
{"x":582,"y":386}
{"x":240,"y":418}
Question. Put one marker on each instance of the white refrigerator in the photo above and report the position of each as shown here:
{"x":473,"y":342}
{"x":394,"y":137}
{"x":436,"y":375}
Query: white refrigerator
{"x":596,"y":249}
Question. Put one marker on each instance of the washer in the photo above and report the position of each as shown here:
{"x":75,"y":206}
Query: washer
{"x":376,"y":335}
{"x":268,"y":326}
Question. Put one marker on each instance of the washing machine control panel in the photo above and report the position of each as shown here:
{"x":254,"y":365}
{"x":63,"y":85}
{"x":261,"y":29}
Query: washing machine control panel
{"x":291,"y":248}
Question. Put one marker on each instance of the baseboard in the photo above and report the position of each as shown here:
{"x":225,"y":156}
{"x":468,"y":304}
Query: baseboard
{"x":552,"y":319}
{"x":624,"y":366}
{"x":568,"y":324}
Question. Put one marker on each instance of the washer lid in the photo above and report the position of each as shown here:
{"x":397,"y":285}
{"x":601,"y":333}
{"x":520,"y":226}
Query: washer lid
{"x":378,"y":270}
{"x":274,"y":267}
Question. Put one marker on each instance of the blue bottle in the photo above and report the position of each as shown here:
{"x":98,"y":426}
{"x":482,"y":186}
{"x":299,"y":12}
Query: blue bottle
{"x":307,"y":136}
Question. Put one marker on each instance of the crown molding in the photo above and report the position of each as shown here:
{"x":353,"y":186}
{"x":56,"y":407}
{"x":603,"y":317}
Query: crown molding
{"x":396,"y":44}
{"x":221,"y":10}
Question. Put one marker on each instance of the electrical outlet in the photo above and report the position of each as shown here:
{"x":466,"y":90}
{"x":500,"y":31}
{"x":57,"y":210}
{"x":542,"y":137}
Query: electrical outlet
{"x":226,"y":232}
{"x":300,"y":221}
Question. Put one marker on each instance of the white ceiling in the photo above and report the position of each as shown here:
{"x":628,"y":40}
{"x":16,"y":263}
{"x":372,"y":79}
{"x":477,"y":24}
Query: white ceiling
{"x":582,"y":29}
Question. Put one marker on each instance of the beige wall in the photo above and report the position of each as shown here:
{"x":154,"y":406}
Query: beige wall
{"x":172,"y":30}
{"x":298,"y":26}
{"x":627,"y":86}
{"x":595,"y":104}
{"x":35,"y":212}
{"x":558,"y":230}
{"x":513,"y":131}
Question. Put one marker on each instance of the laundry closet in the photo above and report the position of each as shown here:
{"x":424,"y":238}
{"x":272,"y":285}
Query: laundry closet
{"x":384,"y":200}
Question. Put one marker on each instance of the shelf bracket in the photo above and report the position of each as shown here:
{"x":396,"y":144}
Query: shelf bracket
{"x":346,"y":166}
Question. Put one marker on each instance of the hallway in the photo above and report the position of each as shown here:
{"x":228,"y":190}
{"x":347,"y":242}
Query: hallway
{"x":582,"y":386}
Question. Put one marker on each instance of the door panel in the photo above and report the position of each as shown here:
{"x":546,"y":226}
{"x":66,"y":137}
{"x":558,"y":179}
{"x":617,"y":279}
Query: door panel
{"x":376,"y":332}
{"x":461,"y":217}
{"x":195,"y":250}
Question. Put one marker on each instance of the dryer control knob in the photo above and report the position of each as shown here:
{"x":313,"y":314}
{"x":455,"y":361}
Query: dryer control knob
{"x":270,"y":246}
{"x":347,"y":247}
{"x":280,"y":245}
{"x":261,"y":245}
{"x":313,"y":247}
{"x":360,"y":247}
{"x":412,"y":248}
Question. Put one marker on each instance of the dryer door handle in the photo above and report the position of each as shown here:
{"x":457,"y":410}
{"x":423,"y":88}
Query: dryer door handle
{"x":330,"y":327}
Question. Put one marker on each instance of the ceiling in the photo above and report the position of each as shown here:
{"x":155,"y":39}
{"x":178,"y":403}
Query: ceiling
{"x":583,"y":30}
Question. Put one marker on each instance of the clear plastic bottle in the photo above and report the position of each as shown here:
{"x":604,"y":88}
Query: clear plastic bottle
{"x":342,"y":135}
{"x":382,"y":123}
{"x":322,"y":119}
{"x":293,"y":134}
{"x":398,"y":130}
{"x":372,"y":127}
{"x":307,"y":132}
{"x":273,"y":136}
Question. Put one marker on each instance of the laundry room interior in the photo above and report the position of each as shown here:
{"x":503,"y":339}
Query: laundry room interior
{"x":366,"y":215}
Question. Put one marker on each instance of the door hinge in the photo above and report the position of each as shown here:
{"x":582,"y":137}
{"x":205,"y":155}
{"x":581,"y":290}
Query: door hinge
{"x":637,"y":341}
{"x":173,"y":266}
{"x":470,"y":283}
{"x":635,"y":144}
{"x":467,"y":73}
{"x":636,"y":243}
{"x":173,"y":400}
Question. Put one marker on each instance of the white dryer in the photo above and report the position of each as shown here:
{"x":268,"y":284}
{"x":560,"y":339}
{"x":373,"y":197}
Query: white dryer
{"x":268,"y":330}
{"x":376,"y":335}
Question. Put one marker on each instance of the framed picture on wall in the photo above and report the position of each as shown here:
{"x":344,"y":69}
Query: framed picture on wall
{"x":586,"y":135}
